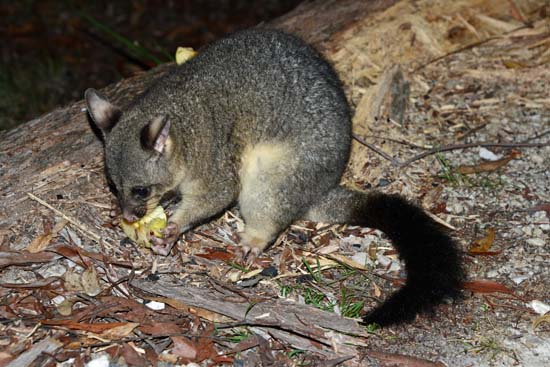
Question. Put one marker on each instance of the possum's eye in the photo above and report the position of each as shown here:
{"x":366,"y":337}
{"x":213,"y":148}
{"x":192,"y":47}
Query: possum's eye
{"x":141,"y":192}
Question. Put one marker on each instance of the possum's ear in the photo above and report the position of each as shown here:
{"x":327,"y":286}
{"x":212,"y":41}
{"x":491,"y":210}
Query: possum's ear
{"x":103,"y":113}
{"x":156,"y":135}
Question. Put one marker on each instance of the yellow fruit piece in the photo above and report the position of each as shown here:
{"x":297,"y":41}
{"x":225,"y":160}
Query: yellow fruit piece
{"x":184,"y":54}
{"x":149,"y":226}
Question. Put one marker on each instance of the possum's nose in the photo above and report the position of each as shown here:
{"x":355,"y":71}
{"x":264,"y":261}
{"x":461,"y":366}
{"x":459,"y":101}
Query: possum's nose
{"x":129,"y":217}
{"x":132,"y":215}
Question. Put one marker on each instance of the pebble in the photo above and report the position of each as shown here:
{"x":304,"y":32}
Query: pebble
{"x":536,"y":242}
{"x":102,"y":361}
{"x":528,"y":230}
{"x":540,"y":307}
{"x":519,"y":279}
{"x":535,"y":158}
{"x":360,"y":258}
{"x":157,"y":306}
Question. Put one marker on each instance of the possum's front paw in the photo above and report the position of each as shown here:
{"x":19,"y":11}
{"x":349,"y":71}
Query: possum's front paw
{"x":162,"y":246}
{"x":251,"y":247}
{"x":248,"y":255}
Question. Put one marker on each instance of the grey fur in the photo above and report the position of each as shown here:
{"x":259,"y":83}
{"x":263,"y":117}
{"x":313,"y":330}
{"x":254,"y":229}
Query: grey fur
{"x":256,"y":86}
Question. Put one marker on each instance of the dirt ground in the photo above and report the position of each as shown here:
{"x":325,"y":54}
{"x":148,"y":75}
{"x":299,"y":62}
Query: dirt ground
{"x":91,"y":301}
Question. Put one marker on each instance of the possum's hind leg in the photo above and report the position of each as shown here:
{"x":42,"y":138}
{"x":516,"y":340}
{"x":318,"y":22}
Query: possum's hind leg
{"x":274,"y":192}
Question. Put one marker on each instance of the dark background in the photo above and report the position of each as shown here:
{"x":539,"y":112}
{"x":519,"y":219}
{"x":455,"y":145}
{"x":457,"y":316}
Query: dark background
{"x":53,"y":50}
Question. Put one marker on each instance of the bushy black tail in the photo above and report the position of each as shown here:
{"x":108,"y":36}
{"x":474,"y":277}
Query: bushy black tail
{"x":434,"y":270}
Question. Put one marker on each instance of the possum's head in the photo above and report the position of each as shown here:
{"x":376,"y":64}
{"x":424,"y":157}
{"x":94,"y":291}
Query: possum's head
{"x":139,"y":155}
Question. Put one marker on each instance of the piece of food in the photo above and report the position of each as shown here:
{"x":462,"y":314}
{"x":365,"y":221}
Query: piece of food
{"x":184,"y":54}
{"x":149,"y":226}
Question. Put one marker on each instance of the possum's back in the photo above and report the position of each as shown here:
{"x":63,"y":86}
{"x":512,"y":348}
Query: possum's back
{"x":275,"y":82}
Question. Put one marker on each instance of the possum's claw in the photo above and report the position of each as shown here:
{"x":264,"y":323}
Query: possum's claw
{"x":249,"y":254}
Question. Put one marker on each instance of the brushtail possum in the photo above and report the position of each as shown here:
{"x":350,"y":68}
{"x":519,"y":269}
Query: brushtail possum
{"x":260,"y":119}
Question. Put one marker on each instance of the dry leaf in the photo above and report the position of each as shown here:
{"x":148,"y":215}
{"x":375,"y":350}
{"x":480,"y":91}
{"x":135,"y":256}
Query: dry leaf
{"x":131,"y":356}
{"x":96,"y":328}
{"x":344,"y":260}
{"x":59,"y":226}
{"x":39,"y":243}
{"x":42,"y":241}
{"x":184,"y":348}
{"x":488,"y":166}
{"x":65,"y":308}
{"x":160,"y":328}
{"x":217,"y":254}
{"x":5,"y":358}
{"x":251,"y":274}
{"x":168,"y":357}
{"x":481,"y":246}
{"x":377,"y":292}
{"x":539,"y":320}
{"x":511,"y":64}
{"x":90,"y":282}
{"x":328,"y":249}
{"x":487,"y":286}
{"x":119,"y":332}
{"x":72,"y":281}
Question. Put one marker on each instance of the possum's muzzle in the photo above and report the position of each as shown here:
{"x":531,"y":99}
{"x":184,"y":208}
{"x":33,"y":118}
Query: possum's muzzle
{"x":133,"y":214}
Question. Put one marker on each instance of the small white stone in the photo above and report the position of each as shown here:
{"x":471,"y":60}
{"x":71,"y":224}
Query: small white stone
{"x":488,"y":155}
{"x":395,"y":266}
{"x":58,"y":300}
{"x":528,"y":230}
{"x":154,"y":305}
{"x":540,"y":307}
{"x":456,"y":208}
{"x":102,"y":361}
{"x":360,"y":258}
{"x":536,"y":242}
{"x":535,"y":158}
{"x":383,"y":260}
{"x":519,"y":279}
{"x":517,"y":231}
{"x":539,"y":216}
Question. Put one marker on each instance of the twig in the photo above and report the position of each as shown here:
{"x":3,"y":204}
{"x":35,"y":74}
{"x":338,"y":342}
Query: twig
{"x":440,"y":221}
{"x":544,"y":133}
{"x":402,"y":142}
{"x":394,"y":161}
{"x":473,"y":130}
{"x":74,"y":222}
{"x":447,"y":148}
